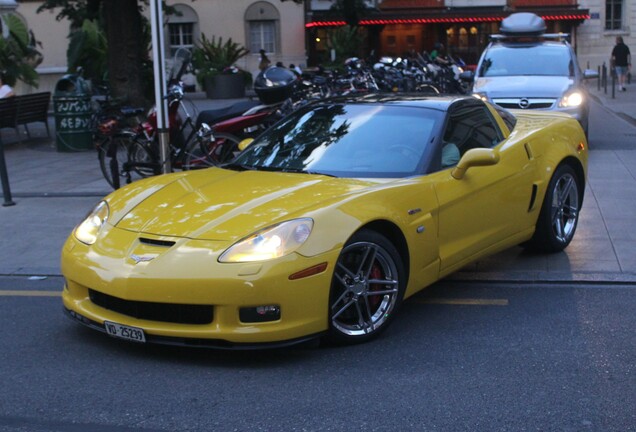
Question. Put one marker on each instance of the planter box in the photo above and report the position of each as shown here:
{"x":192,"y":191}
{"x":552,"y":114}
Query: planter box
{"x":225,"y":86}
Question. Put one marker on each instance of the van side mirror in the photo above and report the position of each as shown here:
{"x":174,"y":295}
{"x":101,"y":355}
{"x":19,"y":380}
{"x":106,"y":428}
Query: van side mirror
{"x":468,"y":76}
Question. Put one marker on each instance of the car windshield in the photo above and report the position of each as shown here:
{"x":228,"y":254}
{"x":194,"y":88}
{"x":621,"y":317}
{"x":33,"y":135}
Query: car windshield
{"x":345,"y":140}
{"x":544,"y":60}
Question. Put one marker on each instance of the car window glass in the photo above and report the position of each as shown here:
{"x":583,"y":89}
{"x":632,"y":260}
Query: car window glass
{"x":509,"y":119}
{"x":347,"y":140}
{"x":469,"y":126}
{"x":543,"y":60}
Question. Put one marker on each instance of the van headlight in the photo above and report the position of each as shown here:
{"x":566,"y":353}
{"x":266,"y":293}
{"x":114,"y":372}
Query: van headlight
{"x":87,"y":231}
{"x":482,"y":96}
{"x":273,"y":242}
{"x":571,"y":100}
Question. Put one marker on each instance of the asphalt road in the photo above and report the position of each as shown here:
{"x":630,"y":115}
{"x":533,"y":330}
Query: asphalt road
{"x":491,"y":357}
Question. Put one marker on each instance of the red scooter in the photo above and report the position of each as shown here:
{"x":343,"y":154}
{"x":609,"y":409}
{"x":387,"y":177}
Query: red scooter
{"x":248,"y":119}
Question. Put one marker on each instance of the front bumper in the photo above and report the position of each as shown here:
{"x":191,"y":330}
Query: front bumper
{"x":196,"y":342}
{"x":188,"y":273}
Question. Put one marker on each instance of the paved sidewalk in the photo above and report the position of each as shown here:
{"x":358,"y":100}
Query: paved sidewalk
{"x":53,"y":191}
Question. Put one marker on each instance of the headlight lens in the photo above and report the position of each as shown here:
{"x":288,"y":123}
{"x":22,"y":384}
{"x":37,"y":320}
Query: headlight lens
{"x":270,"y":243}
{"x":481,"y":96}
{"x":571,"y":100}
{"x":87,"y":231}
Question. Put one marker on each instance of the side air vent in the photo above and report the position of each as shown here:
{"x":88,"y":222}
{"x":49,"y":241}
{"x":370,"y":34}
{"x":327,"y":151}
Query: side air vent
{"x":533,"y":197}
{"x":153,"y":242}
{"x":528,"y":151}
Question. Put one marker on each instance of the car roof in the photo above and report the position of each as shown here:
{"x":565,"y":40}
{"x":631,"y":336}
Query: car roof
{"x":512,"y":43}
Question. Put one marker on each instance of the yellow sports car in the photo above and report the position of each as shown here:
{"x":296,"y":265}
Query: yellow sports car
{"x":325,"y":223}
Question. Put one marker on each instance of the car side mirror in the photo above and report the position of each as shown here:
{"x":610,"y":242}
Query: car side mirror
{"x":474,"y":158}
{"x":590,"y":74}
{"x":245,"y":143}
{"x":468,"y":76}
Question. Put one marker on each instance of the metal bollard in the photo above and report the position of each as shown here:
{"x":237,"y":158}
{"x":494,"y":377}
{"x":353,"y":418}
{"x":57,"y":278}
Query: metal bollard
{"x":598,"y":80}
{"x":613,"y":86}
{"x":605,"y":78}
{"x":4,"y":177}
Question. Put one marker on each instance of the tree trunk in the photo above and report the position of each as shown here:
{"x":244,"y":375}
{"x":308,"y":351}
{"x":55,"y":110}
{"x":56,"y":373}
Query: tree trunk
{"x":124,"y":32}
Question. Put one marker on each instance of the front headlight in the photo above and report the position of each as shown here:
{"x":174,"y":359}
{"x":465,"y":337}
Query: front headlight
{"x":571,"y":100}
{"x":87,"y":231}
{"x":270,"y":243}
{"x":482,"y":96}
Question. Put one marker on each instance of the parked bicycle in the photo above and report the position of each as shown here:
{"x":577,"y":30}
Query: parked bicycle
{"x":129,"y":151}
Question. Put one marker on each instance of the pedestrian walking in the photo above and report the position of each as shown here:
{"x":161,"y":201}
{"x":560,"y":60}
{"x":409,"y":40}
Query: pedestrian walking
{"x":622,"y":61}
{"x":5,"y":89}
{"x":264,"y":63}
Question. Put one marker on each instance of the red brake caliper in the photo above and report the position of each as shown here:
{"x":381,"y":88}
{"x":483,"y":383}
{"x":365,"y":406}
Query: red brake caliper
{"x":375,"y":273}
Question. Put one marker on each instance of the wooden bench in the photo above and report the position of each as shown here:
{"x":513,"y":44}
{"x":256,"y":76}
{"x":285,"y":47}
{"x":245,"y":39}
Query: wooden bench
{"x":24,"y":109}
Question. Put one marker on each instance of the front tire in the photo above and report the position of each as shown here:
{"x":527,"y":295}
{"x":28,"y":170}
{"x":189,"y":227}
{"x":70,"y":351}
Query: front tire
{"x":559,"y":215}
{"x":366,"y":290}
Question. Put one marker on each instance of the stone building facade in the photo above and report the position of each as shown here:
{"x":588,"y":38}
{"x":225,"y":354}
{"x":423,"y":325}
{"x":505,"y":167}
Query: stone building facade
{"x":273,"y":25}
{"x":597,"y":35}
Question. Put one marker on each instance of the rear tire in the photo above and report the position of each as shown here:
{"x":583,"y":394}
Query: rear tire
{"x":559,"y":214}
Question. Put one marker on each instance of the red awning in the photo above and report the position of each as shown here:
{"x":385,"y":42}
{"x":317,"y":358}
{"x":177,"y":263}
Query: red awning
{"x":452,"y":17}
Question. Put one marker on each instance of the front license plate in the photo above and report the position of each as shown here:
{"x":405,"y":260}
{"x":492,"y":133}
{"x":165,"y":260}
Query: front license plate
{"x":124,"y":332}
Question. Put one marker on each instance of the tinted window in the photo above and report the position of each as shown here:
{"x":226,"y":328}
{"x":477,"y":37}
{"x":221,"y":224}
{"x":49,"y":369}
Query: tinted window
{"x":469,"y":126}
{"x":346,"y":140}
{"x":509,"y":119}
{"x":506,"y":60}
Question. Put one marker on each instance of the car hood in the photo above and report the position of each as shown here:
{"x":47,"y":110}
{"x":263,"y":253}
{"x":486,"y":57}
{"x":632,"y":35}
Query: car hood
{"x":218,"y":204}
{"x":523,"y":86}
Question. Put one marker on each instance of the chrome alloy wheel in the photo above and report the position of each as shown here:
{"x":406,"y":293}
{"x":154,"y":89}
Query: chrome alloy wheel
{"x":565,"y":207}
{"x":365,"y":289}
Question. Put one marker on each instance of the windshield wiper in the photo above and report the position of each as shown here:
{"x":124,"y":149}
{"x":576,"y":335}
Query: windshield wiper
{"x":302,"y":171}
{"x":238,"y":167}
{"x":242,"y":167}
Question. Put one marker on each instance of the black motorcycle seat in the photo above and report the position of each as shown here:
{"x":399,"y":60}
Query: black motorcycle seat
{"x":214,"y":116}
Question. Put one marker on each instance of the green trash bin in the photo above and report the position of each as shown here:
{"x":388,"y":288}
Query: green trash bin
{"x":73,"y":111}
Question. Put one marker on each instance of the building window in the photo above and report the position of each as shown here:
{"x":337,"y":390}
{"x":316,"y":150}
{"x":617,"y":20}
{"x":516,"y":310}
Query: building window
{"x":262,"y":36}
{"x":613,"y":14}
{"x":182,"y":29}
{"x":181,"y":36}
{"x":262,"y":27}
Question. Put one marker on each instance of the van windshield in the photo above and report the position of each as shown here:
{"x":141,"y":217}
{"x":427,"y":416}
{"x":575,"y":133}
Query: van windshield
{"x":542,"y":60}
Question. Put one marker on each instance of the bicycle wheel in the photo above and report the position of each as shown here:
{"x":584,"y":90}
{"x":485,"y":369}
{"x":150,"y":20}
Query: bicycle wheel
{"x":206,"y":153}
{"x":229,"y":146}
{"x":112,"y":157}
{"x":142,"y":160}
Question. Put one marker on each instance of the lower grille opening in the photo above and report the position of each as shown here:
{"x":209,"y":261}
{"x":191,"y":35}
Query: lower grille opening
{"x":164,"y":312}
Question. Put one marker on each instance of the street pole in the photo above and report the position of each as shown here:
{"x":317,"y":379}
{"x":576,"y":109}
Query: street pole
{"x":163,"y":122}
{"x":4,"y":178}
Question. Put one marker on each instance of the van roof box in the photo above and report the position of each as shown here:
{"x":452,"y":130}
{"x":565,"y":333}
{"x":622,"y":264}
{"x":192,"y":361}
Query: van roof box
{"x":523,"y":24}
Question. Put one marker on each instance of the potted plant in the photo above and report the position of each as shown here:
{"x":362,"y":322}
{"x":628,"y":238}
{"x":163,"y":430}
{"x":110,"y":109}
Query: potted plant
{"x":214,"y":61}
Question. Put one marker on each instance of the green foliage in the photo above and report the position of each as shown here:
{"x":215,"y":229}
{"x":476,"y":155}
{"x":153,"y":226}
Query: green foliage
{"x":18,"y":55}
{"x":212,"y":56}
{"x":347,"y":41}
{"x":88,"y":49}
{"x":351,"y":10}
{"x":76,"y":11}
